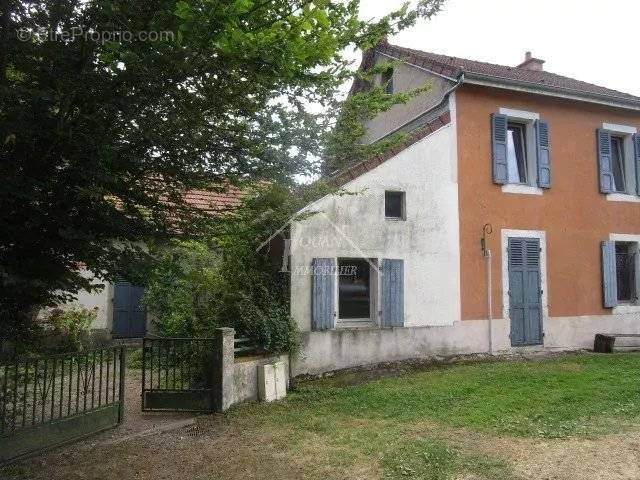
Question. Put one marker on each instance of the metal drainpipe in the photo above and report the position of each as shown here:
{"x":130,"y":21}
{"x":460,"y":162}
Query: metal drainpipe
{"x":487,"y":257}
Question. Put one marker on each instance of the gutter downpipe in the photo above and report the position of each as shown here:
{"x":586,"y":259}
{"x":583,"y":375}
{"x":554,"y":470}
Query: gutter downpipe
{"x":487,"y":230}
{"x":487,"y":257}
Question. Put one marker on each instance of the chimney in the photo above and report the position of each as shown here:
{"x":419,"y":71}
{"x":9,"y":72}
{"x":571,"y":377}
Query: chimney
{"x":531,"y":63}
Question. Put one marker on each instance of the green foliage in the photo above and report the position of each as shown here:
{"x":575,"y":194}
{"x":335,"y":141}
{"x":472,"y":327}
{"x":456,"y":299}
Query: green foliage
{"x":71,"y":326}
{"x":134,"y":359}
{"x":101,"y":135}
{"x":182,"y":289}
{"x":223,"y":281}
{"x":344,"y":144}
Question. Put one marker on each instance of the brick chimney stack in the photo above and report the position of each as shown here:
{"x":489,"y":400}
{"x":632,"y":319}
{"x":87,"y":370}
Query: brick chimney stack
{"x":531,"y":63}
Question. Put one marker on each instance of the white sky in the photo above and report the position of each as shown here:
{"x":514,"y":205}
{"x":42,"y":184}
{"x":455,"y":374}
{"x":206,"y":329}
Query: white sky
{"x":589,"y":40}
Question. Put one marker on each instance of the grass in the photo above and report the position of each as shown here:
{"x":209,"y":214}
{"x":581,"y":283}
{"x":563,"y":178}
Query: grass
{"x":395,"y":420}
{"x":439,"y":422}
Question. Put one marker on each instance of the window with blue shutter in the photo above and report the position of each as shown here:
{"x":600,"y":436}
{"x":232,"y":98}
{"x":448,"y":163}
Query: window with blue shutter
{"x":609,"y":280}
{"x":636,"y":152}
{"x":499,"y":148}
{"x":323,"y":293}
{"x":521,"y":150}
{"x":543,"y":151}
{"x":607,"y":184}
{"x":392,"y":293}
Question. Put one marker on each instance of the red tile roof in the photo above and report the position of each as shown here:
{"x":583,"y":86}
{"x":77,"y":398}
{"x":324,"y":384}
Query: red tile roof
{"x":455,"y":66}
{"x":221,"y":199}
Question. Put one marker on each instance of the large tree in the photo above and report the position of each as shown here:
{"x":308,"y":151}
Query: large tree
{"x":111,"y":109}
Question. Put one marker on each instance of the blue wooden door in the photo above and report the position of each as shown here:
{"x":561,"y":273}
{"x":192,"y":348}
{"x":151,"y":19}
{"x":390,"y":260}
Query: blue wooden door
{"x":129,"y":313}
{"x":525,"y":293}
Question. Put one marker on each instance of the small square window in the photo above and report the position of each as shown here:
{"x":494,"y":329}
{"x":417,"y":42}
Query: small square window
{"x":626,"y":271}
{"x":516,"y":153}
{"x":394,"y":205}
{"x":617,"y":160}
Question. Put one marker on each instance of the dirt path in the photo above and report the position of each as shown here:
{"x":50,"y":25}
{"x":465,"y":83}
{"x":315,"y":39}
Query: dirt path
{"x":216,"y":448}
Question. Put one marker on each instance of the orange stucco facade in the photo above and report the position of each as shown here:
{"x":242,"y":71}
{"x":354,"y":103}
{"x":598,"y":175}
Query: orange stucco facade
{"x":574,"y":214}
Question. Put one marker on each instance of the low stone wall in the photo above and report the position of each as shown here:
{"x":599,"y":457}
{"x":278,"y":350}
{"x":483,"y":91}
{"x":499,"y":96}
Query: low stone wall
{"x":245,"y":376}
{"x":346,"y":348}
{"x":236,"y":379}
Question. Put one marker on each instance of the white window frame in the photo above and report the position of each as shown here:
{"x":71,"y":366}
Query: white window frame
{"x":506,"y":306}
{"x":633,"y":238}
{"x":626,"y":132}
{"x":374,"y":297}
{"x":528,"y":120}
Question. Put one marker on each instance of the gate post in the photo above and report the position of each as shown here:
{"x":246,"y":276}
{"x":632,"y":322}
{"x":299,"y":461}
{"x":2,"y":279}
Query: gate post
{"x":122,"y":380}
{"x":223,"y":358}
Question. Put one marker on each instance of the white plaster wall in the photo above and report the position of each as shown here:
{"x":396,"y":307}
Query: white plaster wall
{"x":427,"y":241}
{"x":100,"y":300}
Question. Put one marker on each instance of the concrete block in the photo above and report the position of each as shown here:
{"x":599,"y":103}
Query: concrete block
{"x":266,"y":383}
{"x":280,"y":380}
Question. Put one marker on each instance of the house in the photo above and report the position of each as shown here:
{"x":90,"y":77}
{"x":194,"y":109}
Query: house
{"x":515,"y":174}
{"x":120,"y":311}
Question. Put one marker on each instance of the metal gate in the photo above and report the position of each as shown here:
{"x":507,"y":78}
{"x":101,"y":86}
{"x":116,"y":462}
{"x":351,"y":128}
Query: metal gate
{"x":178,"y":374}
{"x":50,"y":400}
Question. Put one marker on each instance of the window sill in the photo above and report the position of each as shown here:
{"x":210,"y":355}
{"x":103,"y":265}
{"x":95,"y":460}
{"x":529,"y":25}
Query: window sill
{"x":354,"y":324}
{"x":623,"y":197}
{"x":521,"y":189}
{"x":625,"y":308}
{"x":395,"y":219}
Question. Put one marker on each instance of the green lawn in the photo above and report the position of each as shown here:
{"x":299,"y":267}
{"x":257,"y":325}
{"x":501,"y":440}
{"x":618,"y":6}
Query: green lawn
{"x":510,"y":420}
{"x":577,"y":395}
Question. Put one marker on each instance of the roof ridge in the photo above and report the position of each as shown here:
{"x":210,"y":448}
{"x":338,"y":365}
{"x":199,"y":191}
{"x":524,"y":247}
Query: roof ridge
{"x":449,"y":62}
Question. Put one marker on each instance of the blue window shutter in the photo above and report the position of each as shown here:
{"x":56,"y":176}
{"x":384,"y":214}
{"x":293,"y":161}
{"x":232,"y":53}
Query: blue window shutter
{"x":323,"y":293}
{"x":499,"y":148}
{"x":543,"y":150}
{"x":636,"y":145}
{"x":392,"y":290}
{"x":609,"y":279}
{"x":604,"y":162}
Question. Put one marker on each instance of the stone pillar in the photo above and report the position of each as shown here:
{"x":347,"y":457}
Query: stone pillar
{"x":223,"y":369}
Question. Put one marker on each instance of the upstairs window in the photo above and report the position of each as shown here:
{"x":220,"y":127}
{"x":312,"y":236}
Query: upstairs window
{"x":394,"y":205}
{"x":617,"y":163}
{"x":516,"y":153}
{"x":521,"y":151}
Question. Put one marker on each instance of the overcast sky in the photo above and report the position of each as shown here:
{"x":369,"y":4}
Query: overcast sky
{"x":589,"y":40}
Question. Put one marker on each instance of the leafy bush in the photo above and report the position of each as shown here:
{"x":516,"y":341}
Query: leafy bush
{"x":223,"y":281}
{"x":71,"y":326}
{"x":181,"y":293}
{"x":134,"y":359}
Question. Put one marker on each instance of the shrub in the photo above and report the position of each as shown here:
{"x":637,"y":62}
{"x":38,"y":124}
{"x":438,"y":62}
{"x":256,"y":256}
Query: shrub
{"x":71,"y":326}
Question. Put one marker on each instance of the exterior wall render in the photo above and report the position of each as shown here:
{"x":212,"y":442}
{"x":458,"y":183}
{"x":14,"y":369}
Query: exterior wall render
{"x":355,"y":226}
{"x":406,"y":78}
{"x":573,"y":213}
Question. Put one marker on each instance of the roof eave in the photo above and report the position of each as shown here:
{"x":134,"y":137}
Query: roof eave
{"x":529,"y":87}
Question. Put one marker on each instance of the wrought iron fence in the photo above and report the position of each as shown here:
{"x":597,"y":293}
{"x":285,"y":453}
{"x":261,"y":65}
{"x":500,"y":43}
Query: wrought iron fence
{"x":177,"y":373}
{"x":39,"y":395}
{"x":244,"y":346}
